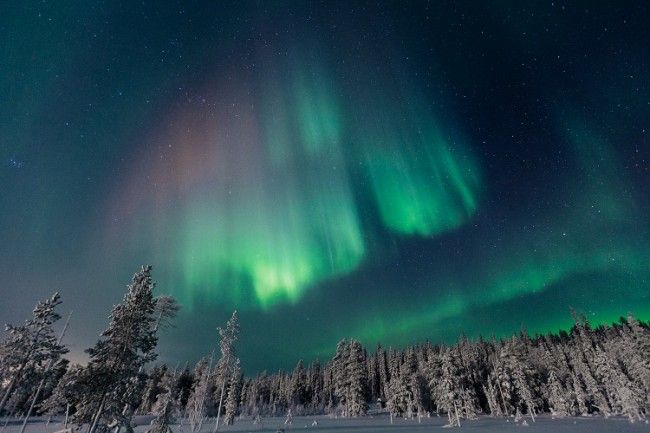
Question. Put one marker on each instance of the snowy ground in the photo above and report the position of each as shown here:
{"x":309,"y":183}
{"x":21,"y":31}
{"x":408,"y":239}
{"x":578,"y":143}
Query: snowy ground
{"x":543,"y":424}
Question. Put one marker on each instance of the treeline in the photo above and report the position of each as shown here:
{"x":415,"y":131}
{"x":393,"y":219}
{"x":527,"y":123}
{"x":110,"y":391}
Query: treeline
{"x":603,"y":370}
{"x":586,"y":371}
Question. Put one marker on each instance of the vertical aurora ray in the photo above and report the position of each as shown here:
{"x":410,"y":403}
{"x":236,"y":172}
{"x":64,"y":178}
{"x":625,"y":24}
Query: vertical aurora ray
{"x":424,"y":182}
{"x":288,"y":220}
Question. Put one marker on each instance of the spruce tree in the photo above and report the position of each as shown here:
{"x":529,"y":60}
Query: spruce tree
{"x":356,"y":376}
{"x":116,"y":361}
{"x":340,"y":374}
{"x":29,"y":351}
{"x":447,"y":392}
{"x":232,"y":400}
{"x":298,"y":390}
{"x":199,"y":397}
{"x":165,"y":406}
{"x":225,"y":367}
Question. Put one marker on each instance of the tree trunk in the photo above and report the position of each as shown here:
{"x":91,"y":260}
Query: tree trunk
{"x":98,"y":415}
{"x":67,"y":413}
{"x":223,"y":389}
{"x":457,"y":417}
{"x":505,"y":408}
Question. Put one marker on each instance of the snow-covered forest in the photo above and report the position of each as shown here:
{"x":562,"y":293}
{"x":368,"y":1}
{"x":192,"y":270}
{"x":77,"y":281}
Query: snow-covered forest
{"x":602,"y":371}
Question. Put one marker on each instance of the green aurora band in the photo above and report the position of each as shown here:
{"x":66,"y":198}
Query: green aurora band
{"x":289,"y":217}
{"x":297,"y":225}
{"x":424,"y":182}
{"x":533,"y":263}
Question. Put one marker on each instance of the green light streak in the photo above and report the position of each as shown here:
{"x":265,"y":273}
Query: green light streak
{"x":422,"y":181}
{"x":295,"y":226}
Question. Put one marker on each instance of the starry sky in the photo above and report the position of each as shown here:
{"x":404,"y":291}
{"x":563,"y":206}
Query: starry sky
{"x":388,"y":171}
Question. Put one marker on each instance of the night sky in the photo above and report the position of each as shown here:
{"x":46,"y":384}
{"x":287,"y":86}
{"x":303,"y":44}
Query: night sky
{"x":393,"y":172}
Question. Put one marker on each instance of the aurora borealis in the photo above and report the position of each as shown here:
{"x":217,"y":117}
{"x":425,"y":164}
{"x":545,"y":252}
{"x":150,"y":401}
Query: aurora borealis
{"x":387,"y":172}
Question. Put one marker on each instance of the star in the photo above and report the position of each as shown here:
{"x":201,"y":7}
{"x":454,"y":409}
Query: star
{"x":16,"y":163}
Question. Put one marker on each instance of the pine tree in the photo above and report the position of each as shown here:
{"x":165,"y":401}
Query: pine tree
{"x":228,"y":338}
{"x":198,"y":400}
{"x":232,"y":400}
{"x":557,"y":396}
{"x":184,"y":388}
{"x":340,"y":374}
{"x":116,"y":361}
{"x":355,"y":397}
{"x":298,"y":390}
{"x":634,"y":347}
{"x":165,"y":406}
{"x":382,"y":369}
{"x":623,"y":394}
{"x":58,"y":403}
{"x":151,"y":390}
{"x":315,"y":387}
{"x":28,"y":351}
{"x":446,"y":392}
{"x":523,"y":380}
{"x":492,"y":397}
{"x":399,"y":396}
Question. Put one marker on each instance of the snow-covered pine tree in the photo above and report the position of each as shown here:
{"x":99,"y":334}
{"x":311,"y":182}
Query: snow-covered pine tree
{"x":400,"y":397}
{"x":298,"y":388}
{"x":468,"y":401}
{"x":583,"y":357}
{"x":117,"y":359}
{"x":59,"y":401}
{"x":432,"y":374}
{"x":522,"y":378}
{"x":355,"y":398}
{"x":634,"y":343}
{"x":28,"y":351}
{"x":591,"y":391}
{"x":557,"y":396}
{"x":492,"y":397}
{"x":50,"y":376}
{"x":197,"y":403}
{"x":165,"y":406}
{"x":315,"y":387}
{"x":340,"y":375}
{"x":232,"y":400}
{"x":408,"y":370}
{"x":446,"y":392}
{"x":373,"y":378}
{"x":184,"y":388}
{"x":417,"y":385}
{"x":624,"y":395}
{"x":165,"y":309}
{"x":52,"y":379}
{"x":554,"y":390}
{"x":151,"y":390}
{"x":228,"y":338}
{"x":382,"y":370}
{"x":329,"y":394}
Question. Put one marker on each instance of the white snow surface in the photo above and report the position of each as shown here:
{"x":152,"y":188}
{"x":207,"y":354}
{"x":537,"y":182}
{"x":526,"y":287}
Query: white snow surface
{"x":381,"y":423}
